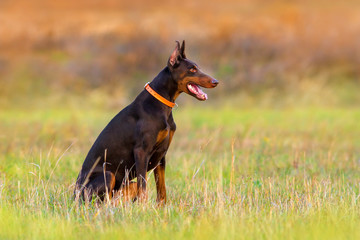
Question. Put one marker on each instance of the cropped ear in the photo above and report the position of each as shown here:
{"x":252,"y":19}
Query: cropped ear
{"x":174,"y":57}
{"x":182,"y":49}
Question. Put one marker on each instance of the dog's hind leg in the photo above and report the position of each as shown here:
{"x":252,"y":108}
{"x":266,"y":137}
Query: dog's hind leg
{"x":100,"y":185}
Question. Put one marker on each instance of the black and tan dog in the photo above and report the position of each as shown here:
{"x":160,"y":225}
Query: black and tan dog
{"x":137,"y":138}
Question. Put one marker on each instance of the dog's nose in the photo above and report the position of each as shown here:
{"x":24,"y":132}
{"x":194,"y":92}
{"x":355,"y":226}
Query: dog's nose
{"x":214,"y":82}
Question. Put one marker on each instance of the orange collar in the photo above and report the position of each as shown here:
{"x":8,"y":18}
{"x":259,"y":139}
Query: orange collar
{"x":158,"y":96}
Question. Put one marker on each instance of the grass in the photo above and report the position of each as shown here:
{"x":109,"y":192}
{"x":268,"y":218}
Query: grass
{"x":251,"y":173}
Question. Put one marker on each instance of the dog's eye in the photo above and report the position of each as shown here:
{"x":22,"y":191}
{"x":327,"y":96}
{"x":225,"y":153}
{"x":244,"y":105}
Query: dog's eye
{"x":193,"y":70}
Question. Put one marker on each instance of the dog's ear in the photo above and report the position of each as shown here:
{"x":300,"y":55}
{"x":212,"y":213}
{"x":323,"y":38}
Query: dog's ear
{"x":175,"y":56}
{"x":182,"y":49}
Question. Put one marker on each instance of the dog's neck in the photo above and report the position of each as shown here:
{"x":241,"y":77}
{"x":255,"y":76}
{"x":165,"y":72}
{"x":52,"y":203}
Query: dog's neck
{"x":165,"y":85}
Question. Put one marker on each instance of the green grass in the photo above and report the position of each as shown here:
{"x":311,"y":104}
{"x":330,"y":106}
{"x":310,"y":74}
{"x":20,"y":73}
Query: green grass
{"x":293,"y":174}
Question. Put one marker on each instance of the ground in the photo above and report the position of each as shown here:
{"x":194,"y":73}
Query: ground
{"x":232,"y":173}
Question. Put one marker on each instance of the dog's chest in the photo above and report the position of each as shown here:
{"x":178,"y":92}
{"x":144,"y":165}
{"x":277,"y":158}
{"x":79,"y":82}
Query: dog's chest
{"x":159,"y":150}
{"x":164,"y":136}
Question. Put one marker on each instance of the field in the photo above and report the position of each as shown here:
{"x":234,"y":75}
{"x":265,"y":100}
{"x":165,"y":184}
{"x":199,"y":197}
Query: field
{"x":231,"y":173}
{"x":273,"y":154}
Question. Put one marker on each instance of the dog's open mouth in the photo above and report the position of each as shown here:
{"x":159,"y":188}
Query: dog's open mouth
{"x":196,"y":91}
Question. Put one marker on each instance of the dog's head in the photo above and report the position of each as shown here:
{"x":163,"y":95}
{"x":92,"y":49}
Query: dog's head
{"x":188,"y":76}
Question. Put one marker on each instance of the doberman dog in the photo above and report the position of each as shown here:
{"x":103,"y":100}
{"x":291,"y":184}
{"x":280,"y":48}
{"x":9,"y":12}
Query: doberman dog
{"x":137,"y":138}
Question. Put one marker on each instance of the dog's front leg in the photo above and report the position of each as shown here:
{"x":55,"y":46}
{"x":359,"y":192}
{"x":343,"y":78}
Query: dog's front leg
{"x":159,"y":173}
{"x":141,"y":163}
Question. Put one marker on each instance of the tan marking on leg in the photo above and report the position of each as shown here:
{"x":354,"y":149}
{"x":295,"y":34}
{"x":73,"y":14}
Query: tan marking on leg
{"x":126,"y":193}
{"x":112,"y":185}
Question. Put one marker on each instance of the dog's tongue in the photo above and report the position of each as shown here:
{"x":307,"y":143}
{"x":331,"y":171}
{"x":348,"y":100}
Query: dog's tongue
{"x":195,"y":89}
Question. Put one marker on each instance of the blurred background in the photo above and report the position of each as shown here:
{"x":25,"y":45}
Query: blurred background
{"x":265,"y":53}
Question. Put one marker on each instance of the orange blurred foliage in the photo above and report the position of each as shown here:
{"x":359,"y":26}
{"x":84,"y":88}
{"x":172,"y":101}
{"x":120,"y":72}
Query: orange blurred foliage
{"x":91,"y":43}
